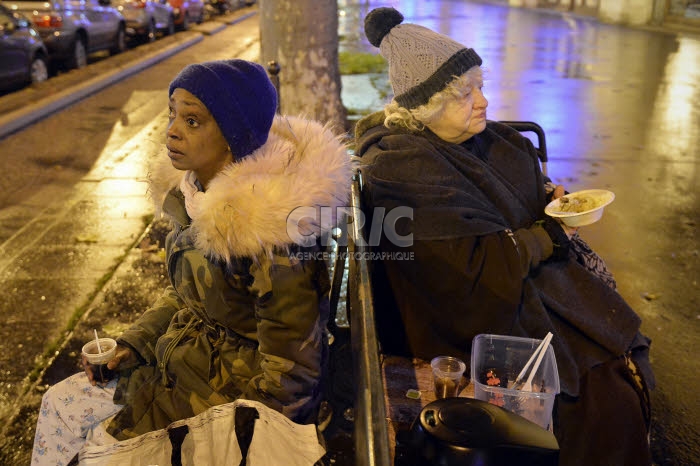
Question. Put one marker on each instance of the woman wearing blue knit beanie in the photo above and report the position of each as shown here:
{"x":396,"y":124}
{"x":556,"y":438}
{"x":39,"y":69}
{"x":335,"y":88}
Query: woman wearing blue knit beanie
{"x":246,"y":312}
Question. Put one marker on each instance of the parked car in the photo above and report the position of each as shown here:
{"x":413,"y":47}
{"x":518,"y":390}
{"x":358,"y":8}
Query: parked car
{"x":221,"y":7}
{"x":217,"y":7}
{"x":23,"y":55}
{"x":72,"y":29}
{"x":187,"y":12}
{"x":146,"y":18}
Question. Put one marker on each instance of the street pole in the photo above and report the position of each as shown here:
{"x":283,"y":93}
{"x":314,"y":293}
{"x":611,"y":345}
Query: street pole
{"x":273,"y":68}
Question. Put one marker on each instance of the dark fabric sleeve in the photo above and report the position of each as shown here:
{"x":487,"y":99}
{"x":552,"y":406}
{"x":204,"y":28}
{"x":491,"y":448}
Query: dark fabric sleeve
{"x":560,"y":241}
{"x":143,"y":335}
{"x":449,"y":291}
{"x":534,"y":246}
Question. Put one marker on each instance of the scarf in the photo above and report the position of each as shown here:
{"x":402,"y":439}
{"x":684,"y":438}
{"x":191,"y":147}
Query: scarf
{"x":192,"y":193}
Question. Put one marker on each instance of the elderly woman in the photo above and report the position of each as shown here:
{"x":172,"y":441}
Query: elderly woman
{"x":245,"y":314}
{"x":486,"y":257}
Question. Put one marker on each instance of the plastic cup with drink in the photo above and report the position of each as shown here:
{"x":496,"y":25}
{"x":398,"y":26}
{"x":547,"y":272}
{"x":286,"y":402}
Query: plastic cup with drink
{"x":447,"y":375}
{"x":97,"y":353}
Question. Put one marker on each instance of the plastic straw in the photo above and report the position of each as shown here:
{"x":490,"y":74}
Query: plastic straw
{"x":520,"y":376}
{"x":528,"y":385}
{"x":97,"y":340}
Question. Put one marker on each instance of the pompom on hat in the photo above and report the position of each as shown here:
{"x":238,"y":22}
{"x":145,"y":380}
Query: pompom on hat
{"x":421,"y":62}
{"x":238,"y":94}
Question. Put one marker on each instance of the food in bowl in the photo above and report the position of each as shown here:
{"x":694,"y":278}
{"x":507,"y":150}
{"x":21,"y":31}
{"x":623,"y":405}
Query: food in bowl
{"x":581,"y":207}
{"x":578,"y":204}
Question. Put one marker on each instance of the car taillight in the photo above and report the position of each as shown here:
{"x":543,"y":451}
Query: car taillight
{"x":48,"y":21}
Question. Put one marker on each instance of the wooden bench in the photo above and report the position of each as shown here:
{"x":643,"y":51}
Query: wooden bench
{"x":399,"y":375}
{"x":375,"y":431}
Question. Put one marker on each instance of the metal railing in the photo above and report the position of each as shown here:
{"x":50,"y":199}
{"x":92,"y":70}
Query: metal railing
{"x":371,"y":432}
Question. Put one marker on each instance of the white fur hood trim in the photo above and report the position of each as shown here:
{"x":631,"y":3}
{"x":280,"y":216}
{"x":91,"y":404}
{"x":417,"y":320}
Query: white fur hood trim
{"x":246,"y":207}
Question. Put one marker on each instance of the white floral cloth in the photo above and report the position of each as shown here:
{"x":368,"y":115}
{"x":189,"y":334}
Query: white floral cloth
{"x":69,"y":414}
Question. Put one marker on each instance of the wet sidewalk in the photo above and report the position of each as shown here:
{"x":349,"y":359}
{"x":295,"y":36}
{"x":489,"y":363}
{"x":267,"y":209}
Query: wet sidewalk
{"x":79,"y":265}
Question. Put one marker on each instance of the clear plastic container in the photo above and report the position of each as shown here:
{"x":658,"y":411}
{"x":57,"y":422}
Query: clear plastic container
{"x":496,"y":362}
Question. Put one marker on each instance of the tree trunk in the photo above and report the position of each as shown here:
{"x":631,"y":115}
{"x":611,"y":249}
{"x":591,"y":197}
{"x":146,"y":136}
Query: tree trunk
{"x":302,"y":37}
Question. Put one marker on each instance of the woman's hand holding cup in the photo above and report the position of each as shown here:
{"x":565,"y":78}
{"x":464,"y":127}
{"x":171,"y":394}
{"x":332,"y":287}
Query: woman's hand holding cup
{"x":96,"y":354}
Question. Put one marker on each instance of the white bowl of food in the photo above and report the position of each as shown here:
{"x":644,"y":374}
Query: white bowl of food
{"x":580,"y":208}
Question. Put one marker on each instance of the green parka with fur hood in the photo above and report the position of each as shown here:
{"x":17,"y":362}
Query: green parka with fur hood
{"x":245,"y":314}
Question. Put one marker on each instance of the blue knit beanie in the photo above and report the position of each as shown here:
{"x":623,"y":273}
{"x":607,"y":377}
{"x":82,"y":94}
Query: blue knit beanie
{"x":238,"y":94}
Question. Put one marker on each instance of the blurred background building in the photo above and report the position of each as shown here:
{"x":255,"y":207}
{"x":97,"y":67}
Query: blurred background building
{"x":680,"y":13}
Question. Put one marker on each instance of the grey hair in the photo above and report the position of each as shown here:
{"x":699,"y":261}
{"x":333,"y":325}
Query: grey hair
{"x":416,"y":119}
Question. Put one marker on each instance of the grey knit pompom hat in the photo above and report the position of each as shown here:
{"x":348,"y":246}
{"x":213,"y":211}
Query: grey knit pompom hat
{"x":421,"y":62}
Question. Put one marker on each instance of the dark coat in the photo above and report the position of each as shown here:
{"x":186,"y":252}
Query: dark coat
{"x":481,"y":263}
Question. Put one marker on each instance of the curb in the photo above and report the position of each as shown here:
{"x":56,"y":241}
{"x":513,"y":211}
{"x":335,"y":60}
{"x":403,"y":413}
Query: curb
{"x":31,"y":391}
{"x":227,"y":20}
{"x":29,"y":114}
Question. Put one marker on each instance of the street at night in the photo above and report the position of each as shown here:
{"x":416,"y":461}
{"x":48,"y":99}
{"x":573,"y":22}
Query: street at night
{"x":619,"y":109}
